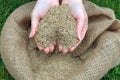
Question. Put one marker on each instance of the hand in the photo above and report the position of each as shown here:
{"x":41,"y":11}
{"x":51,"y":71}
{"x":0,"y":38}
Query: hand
{"x":39,"y":11}
{"x":80,"y":15}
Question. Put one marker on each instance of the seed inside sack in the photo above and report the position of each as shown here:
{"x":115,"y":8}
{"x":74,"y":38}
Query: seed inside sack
{"x":58,"y":25}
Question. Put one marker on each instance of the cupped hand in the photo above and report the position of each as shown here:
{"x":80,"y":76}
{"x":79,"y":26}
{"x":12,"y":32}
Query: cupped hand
{"x":39,"y":11}
{"x":78,"y":12}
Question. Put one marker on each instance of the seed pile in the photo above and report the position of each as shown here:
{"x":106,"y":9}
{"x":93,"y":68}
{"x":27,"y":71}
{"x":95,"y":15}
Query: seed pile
{"x":58,"y":25}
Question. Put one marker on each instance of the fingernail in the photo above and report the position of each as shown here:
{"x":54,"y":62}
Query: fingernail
{"x":40,"y":48}
{"x":46,"y":50}
{"x":72,"y":49}
{"x":30,"y":36}
{"x":60,"y":48}
{"x":79,"y":36}
{"x":64,"y":51}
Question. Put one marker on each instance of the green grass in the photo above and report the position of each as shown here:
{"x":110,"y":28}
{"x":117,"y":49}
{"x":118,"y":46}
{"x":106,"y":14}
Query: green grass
{"x":8,"y":6}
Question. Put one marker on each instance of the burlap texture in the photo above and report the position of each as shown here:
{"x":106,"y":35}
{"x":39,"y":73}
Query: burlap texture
{"x":101,"y":48}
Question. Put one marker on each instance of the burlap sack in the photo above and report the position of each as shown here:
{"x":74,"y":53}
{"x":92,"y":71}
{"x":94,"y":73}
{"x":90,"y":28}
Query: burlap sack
{"x":101,"y":48}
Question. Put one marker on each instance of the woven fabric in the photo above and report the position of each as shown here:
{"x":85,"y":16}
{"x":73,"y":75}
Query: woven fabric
{"x":94,"y":57}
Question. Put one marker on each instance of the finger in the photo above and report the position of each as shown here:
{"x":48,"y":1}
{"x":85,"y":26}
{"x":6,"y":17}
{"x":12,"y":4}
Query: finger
{"x":79,"y":27}
{"x":83,"y":31}
{"x":54,"y":3}
{"x":40,"y":48}
{"x":65,"y":51}
{"x":60,"y":47}
{"x":74,"y":47}
{"x":54,"y":43}
{"x":51,"y":48}
{"x":34,"y":25}
{"x":65,"y":2}
{"x":46,"y":50}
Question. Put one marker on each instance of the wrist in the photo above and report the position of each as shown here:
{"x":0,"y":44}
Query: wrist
{"x":78,"y":1}
{"x":54,"y":2}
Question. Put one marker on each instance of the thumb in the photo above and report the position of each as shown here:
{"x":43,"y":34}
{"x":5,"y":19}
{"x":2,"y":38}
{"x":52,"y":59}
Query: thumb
{"x":34,"y":25}
{"x":65,"y":2}
{"x":79,"y":27}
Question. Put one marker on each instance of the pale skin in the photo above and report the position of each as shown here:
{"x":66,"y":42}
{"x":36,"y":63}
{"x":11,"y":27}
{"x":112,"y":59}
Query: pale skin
{"x":78,"y":13}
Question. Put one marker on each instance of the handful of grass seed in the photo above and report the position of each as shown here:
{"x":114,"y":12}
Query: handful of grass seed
{"x":58,"y":25}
